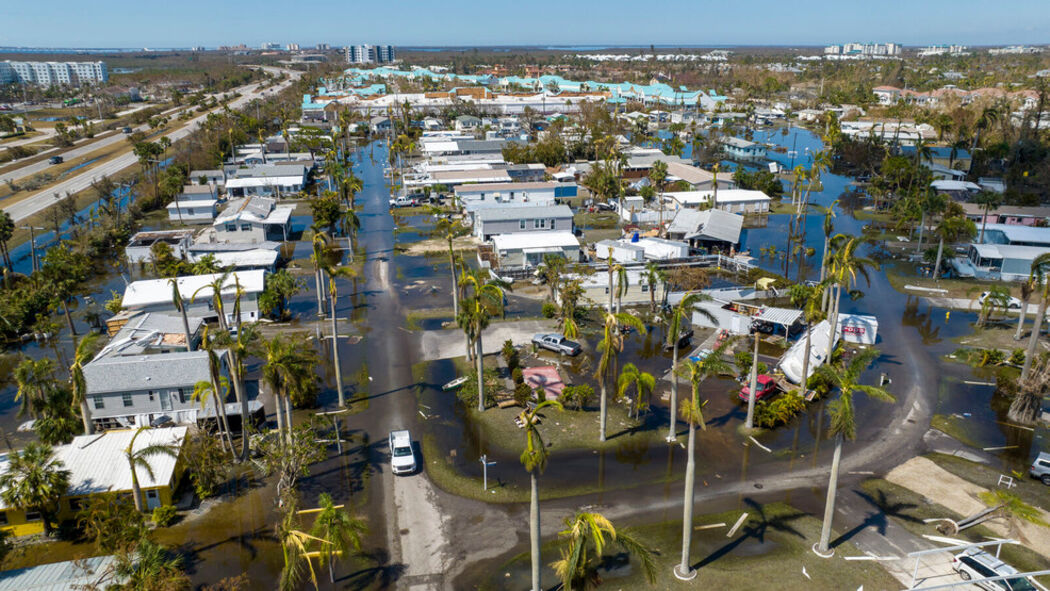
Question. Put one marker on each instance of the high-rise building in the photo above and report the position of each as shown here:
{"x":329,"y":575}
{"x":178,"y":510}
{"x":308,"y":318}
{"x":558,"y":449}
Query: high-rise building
{"x":54,"y":73}
{"x":292,"y":47}
{"x":323,"y":47}
{"x":369,"y":54}
{"x":270,"y":46}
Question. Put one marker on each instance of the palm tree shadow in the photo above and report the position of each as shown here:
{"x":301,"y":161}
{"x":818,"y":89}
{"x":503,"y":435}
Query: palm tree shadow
{"x":884,"y":508}
{"x":381,"y":576}
{"x":756,"y":528}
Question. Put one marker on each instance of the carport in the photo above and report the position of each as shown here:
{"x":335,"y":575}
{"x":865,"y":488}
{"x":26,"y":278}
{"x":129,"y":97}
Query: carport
{"x":785,"y":317}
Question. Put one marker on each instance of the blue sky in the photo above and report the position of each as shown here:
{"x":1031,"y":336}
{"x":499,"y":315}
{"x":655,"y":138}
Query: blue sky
{"x":182,"y":23}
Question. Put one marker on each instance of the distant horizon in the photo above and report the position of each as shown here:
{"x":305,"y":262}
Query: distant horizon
{"x":126,"y":24}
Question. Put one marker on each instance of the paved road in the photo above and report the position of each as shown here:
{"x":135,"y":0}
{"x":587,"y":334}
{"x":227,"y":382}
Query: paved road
{"x":39,"y":201}
{"x":83,"y":148}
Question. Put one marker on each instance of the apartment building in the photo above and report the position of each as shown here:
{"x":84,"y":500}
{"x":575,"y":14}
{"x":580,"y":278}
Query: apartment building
{"x":369,"y":54}
{"x":53,"y":73}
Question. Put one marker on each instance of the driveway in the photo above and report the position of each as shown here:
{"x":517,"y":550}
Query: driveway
{"x":448,"y":343}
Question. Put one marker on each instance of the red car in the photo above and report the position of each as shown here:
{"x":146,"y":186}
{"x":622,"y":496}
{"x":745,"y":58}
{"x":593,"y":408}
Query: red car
{"x":766,"y":386}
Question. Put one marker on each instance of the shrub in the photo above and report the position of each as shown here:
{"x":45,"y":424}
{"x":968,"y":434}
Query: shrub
{"x":164,"y":515}
{"x":468,"y":392}
{"x":517,"y":375}
{"x":780,"y":410}
{"x":549,"y":310}
{"x":1017,"y":357}
{"x":522,"y":394}
{"x":510,"y":354}
{"x":576,"y":396}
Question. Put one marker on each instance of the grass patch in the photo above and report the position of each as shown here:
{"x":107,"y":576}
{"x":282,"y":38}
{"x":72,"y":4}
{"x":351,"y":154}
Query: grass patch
{"x":1028,"y":489}
{"x":953,"y":427}
{"x":414,"y":318}
{"x":599,"y":220}
{"x":773,"y":545}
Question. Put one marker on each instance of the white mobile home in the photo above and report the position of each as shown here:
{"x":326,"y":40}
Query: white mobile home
{"x":155,"y":295}
{"x":527,"y":249}
{"x":621,"y":251}
{"x":510,"y":220}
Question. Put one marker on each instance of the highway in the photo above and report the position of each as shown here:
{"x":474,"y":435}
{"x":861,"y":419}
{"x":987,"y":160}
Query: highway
{"x":37,"y":202}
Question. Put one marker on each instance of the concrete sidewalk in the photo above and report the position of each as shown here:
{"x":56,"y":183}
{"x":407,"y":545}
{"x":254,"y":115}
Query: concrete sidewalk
{"x":451,"y":342}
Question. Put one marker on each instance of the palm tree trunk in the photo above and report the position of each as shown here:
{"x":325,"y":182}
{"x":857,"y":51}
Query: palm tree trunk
{"x":186,"y":326}
{"x":85,"y":415}
{"x":1037,"y":326}
{"x":1020,"y":319}
{"x":610,"y":283}
{"x":136,"y":492}
{"x":829,"y":503}
{"x":834,"y":320}
{"x":805,"y":362}
{"x":534,"y":530}
{"x":238,"y":390}
{"x":922,"y":227}
{"x":69,"y":318}
{"x":280,"y":414}
{"x":937,"y":266}
{"x":683,"y":569}
{"x":752,"y":384}
{"x":672,"y":433}
{"x":288,"y":417}
{"x":455,"y":288}
{"x":335,"y":354}
{"x":603,"y":413}
{"x":984,"y":224}
{"x":481,"y":376}
{"x":317,"y":285}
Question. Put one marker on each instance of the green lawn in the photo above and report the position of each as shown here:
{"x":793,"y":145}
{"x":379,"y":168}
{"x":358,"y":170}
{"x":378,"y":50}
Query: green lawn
{"x":769,"y":551}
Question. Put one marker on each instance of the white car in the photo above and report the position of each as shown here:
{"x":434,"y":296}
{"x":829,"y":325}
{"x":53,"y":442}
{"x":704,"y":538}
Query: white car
{"x":402,"y":457}
{"x":1011,"y":302}
{"x":975,"y":564}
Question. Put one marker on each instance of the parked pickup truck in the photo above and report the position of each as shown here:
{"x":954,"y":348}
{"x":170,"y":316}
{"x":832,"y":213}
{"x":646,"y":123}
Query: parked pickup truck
{"x":403,"y":202}
{"x":557,"y":343}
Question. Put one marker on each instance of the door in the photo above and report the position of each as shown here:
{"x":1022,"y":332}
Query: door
{"x":152,"y":499}
{"x":165,"y":400}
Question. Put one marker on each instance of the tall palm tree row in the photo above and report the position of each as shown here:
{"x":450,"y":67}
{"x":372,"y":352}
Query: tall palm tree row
{"x":677,"y":322}
{"x":614,"y":329}
{"x":843,"y":423}
{"x":534,"y":458}
{"x":289,"y":371}
{"x":334,"y":272}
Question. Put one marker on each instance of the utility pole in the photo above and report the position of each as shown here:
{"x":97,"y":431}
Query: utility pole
{"x":485,"y":470}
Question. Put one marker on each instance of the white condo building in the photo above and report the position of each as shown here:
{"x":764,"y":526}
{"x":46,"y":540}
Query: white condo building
{"x":53,"y":73}
{"x":369,"y":54}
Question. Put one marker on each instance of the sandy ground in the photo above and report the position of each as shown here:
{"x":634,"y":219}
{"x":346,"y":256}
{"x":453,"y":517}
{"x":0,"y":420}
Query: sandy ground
{"x":444,"y":344}
{"x":440,"y":245}
{"x":933,"y":482}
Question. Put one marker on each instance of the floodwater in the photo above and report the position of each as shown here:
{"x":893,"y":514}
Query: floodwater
{"x":914,"y":337}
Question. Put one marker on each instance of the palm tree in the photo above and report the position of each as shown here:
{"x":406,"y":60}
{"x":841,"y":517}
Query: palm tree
{"x":534,"y":458}
{"x":653,"y":275}
{"x":843,"y":272}
{"x":657,"y":176}
{"x":843,"y":422}
{"x":295,"y":548}
{"x":288,"y":372}
{"x":340,"y":530}
{"x":610,"y":346}
{"x":622,"y":284}
{"x":35,"y":481}
{"x":617,"y":270}
{"x":675,"y":323}
{"x":585,"y":533}
{"x":321,"y":254}
{"x":36,"y":380}
{"x":180,"y":305}
{"x":139,"y":458}
{"x":239,"y":348}
{"x":1028,"y":287}
{"x":333,"y":294}
{"x":953,"y":228}
{"x":78,"y":385}
{"x":215,"y":286}
{"x":643,"y":383}
{"x":450,"y":230}
{"x":808,"y":299}
{"x":484,"y":301}
{"x":216,"y":387}
{"x":989,"y":201}
{"x":693,"y":413}
{"x":1040,"y":266}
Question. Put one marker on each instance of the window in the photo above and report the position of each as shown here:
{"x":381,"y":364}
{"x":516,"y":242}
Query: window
{"x":126,"y":397}
{"x":100,"y":402}
{"x":521,"y":225}
{"x":32,"y":515}
{"x":231,"y":227}
{"x":3,"y":517}
{"x":552,"y":223}
{"x":645,"y":288}
{"x":152,"y":395}
{"x":181,"y":395}
{"x":246,"y":227}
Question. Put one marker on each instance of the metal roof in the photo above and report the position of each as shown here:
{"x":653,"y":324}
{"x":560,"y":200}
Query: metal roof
{"x":781,"y":316}
{"x":495,"y":214}
{"x":57,"y":576}
{"x":548,"y":239}
{"x":711,"y":224}
{"x":159,"y":291}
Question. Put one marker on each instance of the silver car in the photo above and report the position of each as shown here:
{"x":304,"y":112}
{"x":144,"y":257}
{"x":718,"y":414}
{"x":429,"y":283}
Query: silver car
{"x":1041,"y":468}
{"x":975,"y":564}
